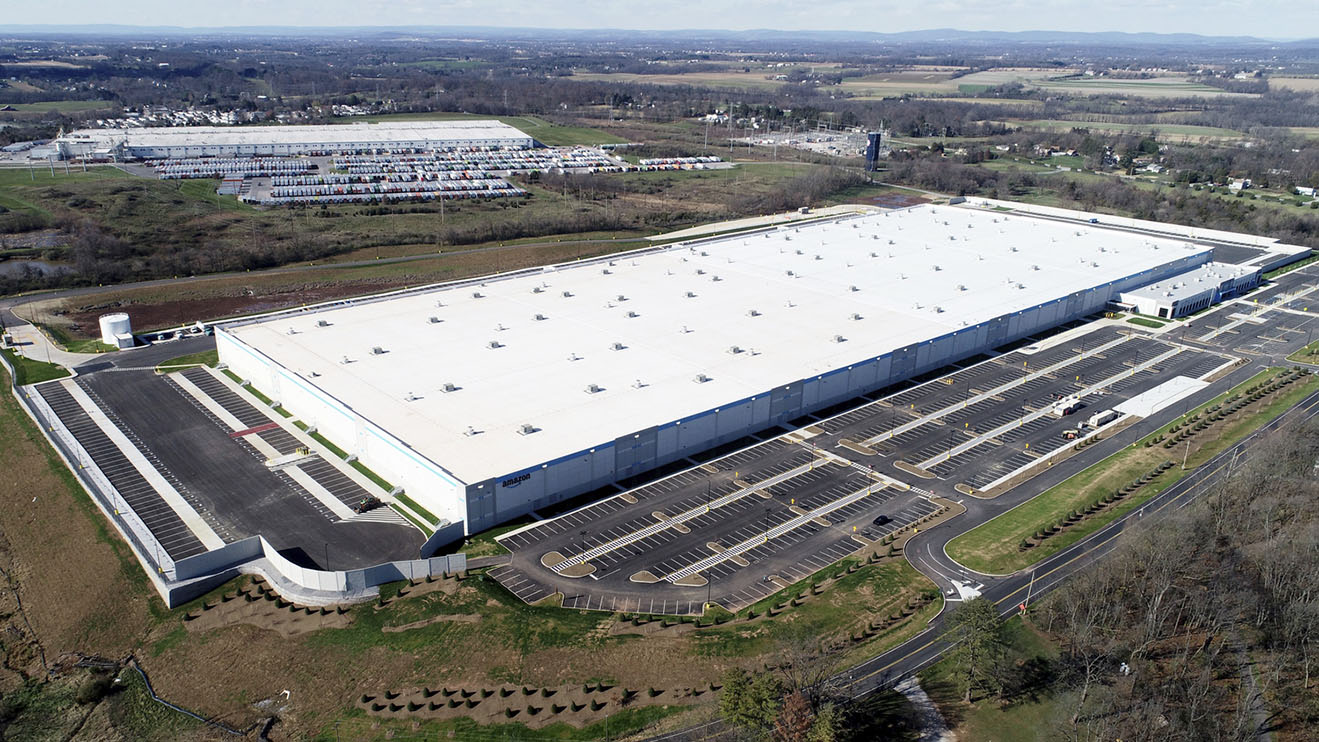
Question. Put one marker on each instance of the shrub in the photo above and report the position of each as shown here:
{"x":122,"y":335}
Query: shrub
{"x":96,"y":687}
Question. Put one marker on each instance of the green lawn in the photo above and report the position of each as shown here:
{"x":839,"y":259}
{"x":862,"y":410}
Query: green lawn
{"x":412,"y":504}
{"x":1291,"y":267}
{"x":203,"y":189}
{"x":62,"y":339}
{"x":484,"y":543}
{"x":1145,"y":322}
{"x":993,"y":547}
{"x":874,"y":589}
{"x":1308,"y":354}
{"x":204,"y":358}
{"x":28,"y":371}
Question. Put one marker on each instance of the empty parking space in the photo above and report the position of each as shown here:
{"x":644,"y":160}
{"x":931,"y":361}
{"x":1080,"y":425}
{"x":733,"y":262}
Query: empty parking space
{"x":742,"y":527}
{"x":169,"y":529}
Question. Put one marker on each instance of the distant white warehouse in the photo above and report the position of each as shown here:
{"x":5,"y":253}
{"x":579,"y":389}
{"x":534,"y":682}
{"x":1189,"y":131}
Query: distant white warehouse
{"x":490,"y":398}
{"x":1192,"y":291}
{"x":249,"y":141}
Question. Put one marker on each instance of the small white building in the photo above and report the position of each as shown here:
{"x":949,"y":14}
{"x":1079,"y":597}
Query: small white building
{"x":116,"y":330}
{"x":1192,"y":291}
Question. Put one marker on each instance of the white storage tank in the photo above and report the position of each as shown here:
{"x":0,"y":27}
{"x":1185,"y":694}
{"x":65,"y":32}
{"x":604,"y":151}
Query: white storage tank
{"x":116,"y":330}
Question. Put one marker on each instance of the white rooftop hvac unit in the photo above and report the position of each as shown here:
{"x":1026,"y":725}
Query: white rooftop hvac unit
{"x":448,"y":386}
{"x":593,"y":389}
{"x":526,"y":429}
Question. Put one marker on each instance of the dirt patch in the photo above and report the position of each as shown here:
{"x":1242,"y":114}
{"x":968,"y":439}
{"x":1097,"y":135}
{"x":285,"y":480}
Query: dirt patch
{"x":892,"y":200}
{"x":145,"y":315}
{"x":577,"y":705}
{"x":651,"y":628}
{"x":459,"y":618}
{"x":257,"y":605}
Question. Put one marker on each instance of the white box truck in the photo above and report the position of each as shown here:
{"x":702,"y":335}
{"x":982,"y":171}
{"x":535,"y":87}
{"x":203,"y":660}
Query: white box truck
{"x":1102,"y":418}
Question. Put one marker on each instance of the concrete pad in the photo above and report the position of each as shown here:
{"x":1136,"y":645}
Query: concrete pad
{"x":629,"y":499}
{"x":644,"y":577}
{"x":1169,"y":392}
{"x":551,"y":559}
{"x":692,"y":581}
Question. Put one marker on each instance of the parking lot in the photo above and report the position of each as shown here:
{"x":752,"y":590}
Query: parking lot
{"x":218,"y":467}
{"x":739,"y":528}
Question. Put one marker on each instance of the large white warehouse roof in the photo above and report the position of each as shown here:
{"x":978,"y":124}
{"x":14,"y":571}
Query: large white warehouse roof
{"x":381,"y":134}
{"x":748,"y":313}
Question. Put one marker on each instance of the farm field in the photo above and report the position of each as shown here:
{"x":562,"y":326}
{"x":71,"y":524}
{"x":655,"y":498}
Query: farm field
{"x":1157,"y":87}
{"x":64,"y":106}
{"x":1302,"y":84}
{"x":1179,"y":132}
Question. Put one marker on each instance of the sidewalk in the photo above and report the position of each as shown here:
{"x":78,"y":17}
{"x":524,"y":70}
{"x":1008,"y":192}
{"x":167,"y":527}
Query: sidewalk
{"x":32,"y":343}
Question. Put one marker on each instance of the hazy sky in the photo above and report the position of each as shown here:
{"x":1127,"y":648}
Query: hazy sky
{"x":1264,"y":18}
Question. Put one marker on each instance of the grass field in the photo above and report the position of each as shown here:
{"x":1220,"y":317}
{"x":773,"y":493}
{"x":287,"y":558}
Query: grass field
{"x":28,"y":371}
{"x":1158,"y":87}
{"x":204,"y":358}
{"x":64,"y":106}
{"x":1025,"y":719}
{"x":1308,"y":354}
{"x":1301,"y":84}
{"x":992,"y":547}
{"x":1180,"y":132}
{"x":871,"y":593}
{"x":544,"y":131}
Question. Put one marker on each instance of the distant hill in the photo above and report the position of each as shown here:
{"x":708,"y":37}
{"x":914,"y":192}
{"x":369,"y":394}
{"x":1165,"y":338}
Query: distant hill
{"x":941,"y":35}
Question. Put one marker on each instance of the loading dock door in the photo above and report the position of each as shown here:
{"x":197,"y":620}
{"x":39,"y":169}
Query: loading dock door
{"x":785,"y":402}
{"x":635,"y":453}
{"x":481,"y":511}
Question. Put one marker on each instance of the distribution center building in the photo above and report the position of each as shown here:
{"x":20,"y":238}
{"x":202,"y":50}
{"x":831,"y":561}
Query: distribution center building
{"x":488,"y":399}
{"x":255,"y":141}
{"x":1193,"y":290}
